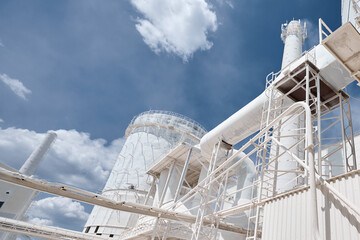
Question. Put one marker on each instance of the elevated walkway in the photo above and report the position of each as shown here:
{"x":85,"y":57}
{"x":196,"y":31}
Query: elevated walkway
{"x":344,"y":44}
{"x":179,"y":154}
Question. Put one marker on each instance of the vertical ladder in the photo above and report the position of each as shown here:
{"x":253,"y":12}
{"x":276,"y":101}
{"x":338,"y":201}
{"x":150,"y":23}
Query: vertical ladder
{"x":256,"y":212}
{"x":205,"y":195}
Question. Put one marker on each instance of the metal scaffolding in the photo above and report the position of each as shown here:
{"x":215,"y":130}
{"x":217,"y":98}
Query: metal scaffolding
{"x":330,"y":110}
{"x":305,"y":138}
{"x":321,"y":111}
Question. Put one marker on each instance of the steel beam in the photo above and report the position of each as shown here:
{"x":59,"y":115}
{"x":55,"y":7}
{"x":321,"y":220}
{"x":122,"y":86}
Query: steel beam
{"x":95,"y":199}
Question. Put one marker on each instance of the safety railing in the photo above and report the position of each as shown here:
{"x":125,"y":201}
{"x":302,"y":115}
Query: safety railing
{"x":322,"y":28}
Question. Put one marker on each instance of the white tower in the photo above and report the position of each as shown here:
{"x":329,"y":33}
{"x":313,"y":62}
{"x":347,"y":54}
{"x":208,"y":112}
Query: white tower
{"x":149,"y":137}
{"x":293,"y":36}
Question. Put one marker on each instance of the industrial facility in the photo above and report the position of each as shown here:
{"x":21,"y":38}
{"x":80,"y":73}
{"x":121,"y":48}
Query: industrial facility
{"x":285,"y":166}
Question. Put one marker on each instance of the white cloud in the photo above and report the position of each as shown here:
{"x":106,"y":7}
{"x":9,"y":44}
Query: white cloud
{"x":57,"y":211}
{"x":176,"y":26}
{"x":16,"y":86}
{"x":1,"y":120}
{"x":73,"y":159}
{"x":41,"y":221}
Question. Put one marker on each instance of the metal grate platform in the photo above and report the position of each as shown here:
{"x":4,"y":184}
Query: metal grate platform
{"x":328,"y":95}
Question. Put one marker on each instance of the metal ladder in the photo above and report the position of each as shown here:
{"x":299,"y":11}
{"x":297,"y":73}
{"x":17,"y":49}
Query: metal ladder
{"x":271,"y":109}
{"x":205,"y":196}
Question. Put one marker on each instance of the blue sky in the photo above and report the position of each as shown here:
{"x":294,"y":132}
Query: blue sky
{"x":88,"y":66}
{"x":89,"y":69}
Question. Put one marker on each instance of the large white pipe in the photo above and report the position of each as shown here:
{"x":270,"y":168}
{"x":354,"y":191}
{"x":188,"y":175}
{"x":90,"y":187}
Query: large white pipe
{"x":36,"y":156}
{"x":237,"y":127}
{"x":247,"y":120}
{"x":293,"y":36}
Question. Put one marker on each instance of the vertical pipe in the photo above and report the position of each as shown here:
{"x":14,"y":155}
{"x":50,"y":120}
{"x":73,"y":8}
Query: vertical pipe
{"x":343,"y":134}
{"x":266,"y":135}
{"x":307,"y":103}
{"x":352,"y":138}
{"x":307,"y":85}
{"x":309,"y":151}
{"x":276,"y":163}
{"x":311,"y":162}
{"x":319,"y":123}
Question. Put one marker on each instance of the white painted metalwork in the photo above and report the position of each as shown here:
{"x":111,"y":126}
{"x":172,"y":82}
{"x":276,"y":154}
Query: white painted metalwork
{"x":38,"y":154}
{"x":179,"y":187}
{"x":149,"y":137}
{"x":99,"y":200}
{"x":220,"y":193}
{"x":248,"y":119}
{"x":344,"y":45}
{"x":350,"y":12}
{"x":204,"y":208}
{"x":44,"y":232}
{"x":304,"y":77}
{"x":293,"y":35}
{"x":323,"y":32}
{"x":336,"y":220}
{"x":15,"y":200}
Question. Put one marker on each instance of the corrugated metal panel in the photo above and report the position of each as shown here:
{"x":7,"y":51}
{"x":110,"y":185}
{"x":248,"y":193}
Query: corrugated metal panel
{"x":289,"y":217}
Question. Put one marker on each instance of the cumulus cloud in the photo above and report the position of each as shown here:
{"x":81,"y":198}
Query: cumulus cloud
{"x":41,"y":221}
{"x":74,"y":159}
{"x":176,"y":26}
{"x":16,"y":86}
{"x":1,"y":120}
{"x":58,"y":211}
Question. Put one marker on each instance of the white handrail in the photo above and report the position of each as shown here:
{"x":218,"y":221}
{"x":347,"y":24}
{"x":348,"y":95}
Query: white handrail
{"x":321,"y":32}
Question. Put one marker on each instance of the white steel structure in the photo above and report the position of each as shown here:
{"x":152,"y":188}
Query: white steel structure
{"x":15,"y":200}
{"x":350,"y":12}
{"x":35,"y":158}
{"x":150,"y":136}
{"x":293,"y":36}
{"x":286,"y":182}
